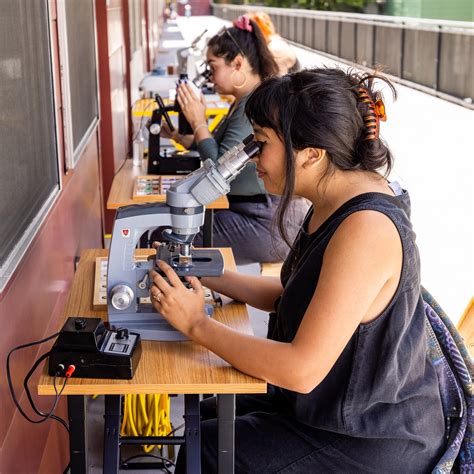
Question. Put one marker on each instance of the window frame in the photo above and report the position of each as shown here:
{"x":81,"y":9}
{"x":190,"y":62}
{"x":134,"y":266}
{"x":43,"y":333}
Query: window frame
{"x":17,"y":253}
{"x":72,"y":155}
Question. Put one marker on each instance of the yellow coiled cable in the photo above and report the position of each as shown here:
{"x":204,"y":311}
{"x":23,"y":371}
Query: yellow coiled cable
{"x":146,"y":415}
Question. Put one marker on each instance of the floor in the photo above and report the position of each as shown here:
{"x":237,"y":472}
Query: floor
{"x":432,"y":141}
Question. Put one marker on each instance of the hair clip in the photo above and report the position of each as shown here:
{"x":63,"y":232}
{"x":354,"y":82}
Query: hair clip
{"x":243,"y":23}
{"x":375,"y":113}
{"x":380,"y":110}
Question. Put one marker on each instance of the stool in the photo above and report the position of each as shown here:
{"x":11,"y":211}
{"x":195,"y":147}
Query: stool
{"x":270,"y":268}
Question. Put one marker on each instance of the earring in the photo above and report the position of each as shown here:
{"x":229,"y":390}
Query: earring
{"x":238,"y":86}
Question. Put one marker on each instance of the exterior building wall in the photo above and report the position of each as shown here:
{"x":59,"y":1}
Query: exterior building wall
{"x":32,"y":303}
{"x":114,"y":97}
{"x":198,"y":7}
{"x":31,"y":308}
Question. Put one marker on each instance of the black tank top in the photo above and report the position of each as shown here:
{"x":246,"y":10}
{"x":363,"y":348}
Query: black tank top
{"x":383,"y":385}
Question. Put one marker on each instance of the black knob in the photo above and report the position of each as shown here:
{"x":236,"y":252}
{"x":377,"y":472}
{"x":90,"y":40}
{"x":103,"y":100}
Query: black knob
{"x":122,"y":333}
{"x":80,"y":323}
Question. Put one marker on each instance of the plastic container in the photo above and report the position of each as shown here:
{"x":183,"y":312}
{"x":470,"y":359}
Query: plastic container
{"x":138,"y":145}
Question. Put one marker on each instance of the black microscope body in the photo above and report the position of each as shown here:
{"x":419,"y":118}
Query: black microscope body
{"x":160,"y":161}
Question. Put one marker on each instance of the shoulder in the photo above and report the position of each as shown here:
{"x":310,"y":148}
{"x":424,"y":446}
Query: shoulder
{"x":370,"y":224}
{"x":367,"y":238}
{"x":237,"y":118}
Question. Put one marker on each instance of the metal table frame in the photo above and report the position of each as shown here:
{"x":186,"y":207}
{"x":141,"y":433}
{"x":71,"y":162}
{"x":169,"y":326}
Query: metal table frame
{"x":112,"y":440}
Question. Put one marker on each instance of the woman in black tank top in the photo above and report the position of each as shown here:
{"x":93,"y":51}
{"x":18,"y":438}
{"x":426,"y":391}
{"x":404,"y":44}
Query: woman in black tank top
{"x":351,"y":388}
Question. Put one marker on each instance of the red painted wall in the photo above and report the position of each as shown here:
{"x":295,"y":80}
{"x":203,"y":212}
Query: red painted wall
{"x":31,"y":306}
{"x":114,"y":108}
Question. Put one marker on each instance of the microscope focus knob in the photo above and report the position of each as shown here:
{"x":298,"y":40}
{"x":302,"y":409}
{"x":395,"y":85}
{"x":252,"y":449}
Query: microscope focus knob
{"x":121,"y":297}
{"x":155,"y":128}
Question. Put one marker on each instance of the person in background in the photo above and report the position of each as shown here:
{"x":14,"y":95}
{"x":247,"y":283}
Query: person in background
{"x":283,"y":53}
{"x":239,"y":60}
{"x":351,"y":386}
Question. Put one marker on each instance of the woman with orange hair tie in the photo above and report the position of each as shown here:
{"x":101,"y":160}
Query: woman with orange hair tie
{"x":351,"y":386}
{"x":282,"y":52}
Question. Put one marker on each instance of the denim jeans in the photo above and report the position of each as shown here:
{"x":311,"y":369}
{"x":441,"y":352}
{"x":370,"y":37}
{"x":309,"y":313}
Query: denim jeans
{"x":268,"y":440}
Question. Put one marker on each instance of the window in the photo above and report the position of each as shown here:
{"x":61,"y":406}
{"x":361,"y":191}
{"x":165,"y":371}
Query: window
{"x":29,"y":176}
{"x":78,"y":58}
{"x":135,"y":26}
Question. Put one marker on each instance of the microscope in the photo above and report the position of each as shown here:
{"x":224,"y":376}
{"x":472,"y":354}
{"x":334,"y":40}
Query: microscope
{"x":160,"y":161}
{"x":128,"y":281}
{"x":189,"y":56}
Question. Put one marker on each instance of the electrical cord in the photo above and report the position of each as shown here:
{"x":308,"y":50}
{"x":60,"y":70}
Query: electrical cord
{"x":12,"y":390}
{"x":141,"y":118}
{"x":146,"y":415}
{"x":45,"y":416}
{"x":30,"y":398}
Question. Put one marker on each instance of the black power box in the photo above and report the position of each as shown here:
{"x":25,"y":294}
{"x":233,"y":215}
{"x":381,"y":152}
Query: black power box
{"x":95,"y":351}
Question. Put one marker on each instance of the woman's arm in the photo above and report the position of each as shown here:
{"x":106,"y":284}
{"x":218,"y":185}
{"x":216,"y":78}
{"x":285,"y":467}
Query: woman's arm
{"x":185,"y":140}
{"x":360,"y":274}
{"x":228,"y":135}
{"x":257,"y":291}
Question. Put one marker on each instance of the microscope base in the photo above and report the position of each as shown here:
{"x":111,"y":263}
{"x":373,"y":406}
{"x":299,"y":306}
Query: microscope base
{"x":151,"y":326}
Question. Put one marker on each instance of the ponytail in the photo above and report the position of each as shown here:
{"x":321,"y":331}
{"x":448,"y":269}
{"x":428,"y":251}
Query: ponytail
{"x":251,"y":42}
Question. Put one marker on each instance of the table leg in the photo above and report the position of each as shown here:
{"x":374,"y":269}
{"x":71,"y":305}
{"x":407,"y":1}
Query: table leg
{"x":207,"y":229}
{"x":226,"y":433}
{"x":192,"y":434}
{"x":76,"y":406}
{"x":111,"y":434}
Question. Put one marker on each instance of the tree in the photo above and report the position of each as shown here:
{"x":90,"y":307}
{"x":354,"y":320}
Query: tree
{"x":327,"y":5}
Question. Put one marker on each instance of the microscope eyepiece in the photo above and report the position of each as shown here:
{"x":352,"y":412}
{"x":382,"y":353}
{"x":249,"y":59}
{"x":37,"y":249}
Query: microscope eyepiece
{"x":252,"y":147}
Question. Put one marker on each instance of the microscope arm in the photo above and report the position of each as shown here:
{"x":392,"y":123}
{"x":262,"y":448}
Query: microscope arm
{"x":131,"y":223}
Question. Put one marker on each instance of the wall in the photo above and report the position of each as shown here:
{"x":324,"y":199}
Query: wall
{"x":32,"y":303}
{"x":31,"y":307}
{"x":114,"y":110}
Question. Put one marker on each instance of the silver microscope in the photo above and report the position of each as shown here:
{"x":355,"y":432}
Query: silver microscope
{"x":128,"y":280}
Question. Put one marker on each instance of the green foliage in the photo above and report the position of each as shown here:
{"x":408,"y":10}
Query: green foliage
{"x":328,"y":5}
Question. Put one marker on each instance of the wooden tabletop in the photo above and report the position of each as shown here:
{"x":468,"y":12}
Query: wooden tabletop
{"x":165,"y":367}
{"x":121,"y":191}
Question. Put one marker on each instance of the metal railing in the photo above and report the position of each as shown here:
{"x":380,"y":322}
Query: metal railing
{"x":436,"y":56}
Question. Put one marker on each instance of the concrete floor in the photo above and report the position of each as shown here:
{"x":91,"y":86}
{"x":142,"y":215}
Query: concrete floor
{"x":432,"y":141}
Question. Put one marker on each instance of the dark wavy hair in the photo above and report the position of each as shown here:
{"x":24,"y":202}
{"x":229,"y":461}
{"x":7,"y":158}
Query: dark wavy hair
{"x":252,"y":44}
{"x":320,"y":108}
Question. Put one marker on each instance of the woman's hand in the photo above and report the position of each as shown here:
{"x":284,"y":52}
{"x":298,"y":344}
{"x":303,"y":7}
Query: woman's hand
{"x":182,"y":308}
{"x":166,"y":132}
{"x":193,"y":107}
